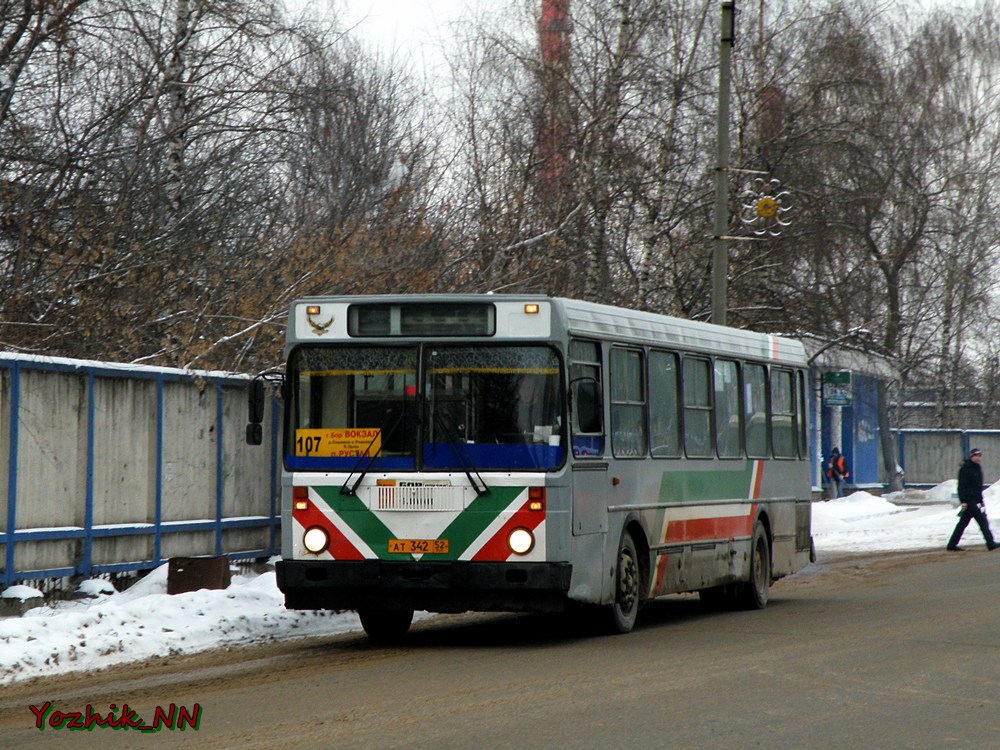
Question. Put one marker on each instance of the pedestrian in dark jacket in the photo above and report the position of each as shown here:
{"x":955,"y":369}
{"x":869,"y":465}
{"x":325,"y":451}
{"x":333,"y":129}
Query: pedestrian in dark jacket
{"x":970,"y":495}
{"x":837,"y":472}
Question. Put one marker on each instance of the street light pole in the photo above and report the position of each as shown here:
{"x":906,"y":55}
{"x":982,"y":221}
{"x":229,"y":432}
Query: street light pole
{"x":720,"y":252}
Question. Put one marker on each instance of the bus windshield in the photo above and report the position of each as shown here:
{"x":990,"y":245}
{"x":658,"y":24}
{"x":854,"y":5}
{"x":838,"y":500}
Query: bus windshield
{"x":476,"y":407}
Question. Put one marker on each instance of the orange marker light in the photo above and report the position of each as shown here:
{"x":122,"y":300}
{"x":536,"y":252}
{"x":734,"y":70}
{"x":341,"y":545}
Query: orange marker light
{"x":531,"y":308}
{"x":536,"y":498}
{"x":312,"y":310}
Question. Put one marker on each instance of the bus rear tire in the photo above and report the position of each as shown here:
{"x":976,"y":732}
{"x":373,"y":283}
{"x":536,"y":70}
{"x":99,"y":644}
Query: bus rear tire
{"x":622,"y":614}
{"x":753,"y":593}
{"x":386,"y":625}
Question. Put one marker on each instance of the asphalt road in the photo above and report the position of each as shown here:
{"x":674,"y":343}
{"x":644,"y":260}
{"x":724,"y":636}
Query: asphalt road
{"x":874,"y":652}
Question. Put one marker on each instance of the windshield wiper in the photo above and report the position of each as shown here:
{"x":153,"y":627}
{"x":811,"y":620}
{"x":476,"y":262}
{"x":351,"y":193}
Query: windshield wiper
{"x":458,"y":448}
{"x":353,"y":489}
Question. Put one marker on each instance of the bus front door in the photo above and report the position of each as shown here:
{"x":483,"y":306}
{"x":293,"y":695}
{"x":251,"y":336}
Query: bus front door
{"x":590,"y":498}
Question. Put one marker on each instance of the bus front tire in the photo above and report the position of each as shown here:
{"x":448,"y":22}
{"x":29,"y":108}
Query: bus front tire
{"x":386,"y":625}
{"x":623,"y":612}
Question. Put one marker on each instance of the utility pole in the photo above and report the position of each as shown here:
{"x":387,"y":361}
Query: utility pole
{"x":720,"y":251}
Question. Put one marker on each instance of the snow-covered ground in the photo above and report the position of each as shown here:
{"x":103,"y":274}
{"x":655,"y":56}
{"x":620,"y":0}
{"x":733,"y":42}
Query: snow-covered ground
{"x":108,"y":628}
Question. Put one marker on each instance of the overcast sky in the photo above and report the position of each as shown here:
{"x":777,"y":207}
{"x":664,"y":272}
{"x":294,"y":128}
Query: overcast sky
{"x":408,"y":30}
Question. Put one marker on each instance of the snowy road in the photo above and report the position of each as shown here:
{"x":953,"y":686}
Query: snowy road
{"x":880,"y":650}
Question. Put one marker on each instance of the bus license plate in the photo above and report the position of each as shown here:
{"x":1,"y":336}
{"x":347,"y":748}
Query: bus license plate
{"x":418,"y":546}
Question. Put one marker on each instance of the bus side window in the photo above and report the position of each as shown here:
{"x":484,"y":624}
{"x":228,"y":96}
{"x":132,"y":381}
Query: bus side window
{"x":755,"y":410}
{"x":587,"y":415}
{"x":697,"y":408}
{"x":664,"y":425}
{"x":728,"y":431}
{"x":783,"y":423}
{"x":628,"y":403}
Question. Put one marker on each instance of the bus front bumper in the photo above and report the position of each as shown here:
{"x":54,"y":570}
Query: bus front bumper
{"x":454,"y":586}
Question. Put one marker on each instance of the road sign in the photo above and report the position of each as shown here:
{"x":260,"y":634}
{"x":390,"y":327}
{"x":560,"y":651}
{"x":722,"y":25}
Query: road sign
{"x":837,"y":389}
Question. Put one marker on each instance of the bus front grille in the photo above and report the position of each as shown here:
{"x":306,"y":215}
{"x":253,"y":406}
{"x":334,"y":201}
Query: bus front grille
{"x":417,"y":498}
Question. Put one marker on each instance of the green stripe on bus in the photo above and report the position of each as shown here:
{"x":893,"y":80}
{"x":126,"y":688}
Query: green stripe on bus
{"x":460,"y":533}
{"x":468,"y":526}
{"x":362,"y":521}
{"x":718,"y":482}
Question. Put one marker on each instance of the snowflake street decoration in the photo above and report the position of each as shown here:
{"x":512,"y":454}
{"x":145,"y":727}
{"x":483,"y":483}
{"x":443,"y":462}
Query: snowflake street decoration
{"x":765,"y":207}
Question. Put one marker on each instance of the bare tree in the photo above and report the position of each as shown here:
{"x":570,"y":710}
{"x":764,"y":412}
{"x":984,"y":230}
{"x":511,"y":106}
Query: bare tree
{"x":884,"y":129}
{"x":174,"y":159}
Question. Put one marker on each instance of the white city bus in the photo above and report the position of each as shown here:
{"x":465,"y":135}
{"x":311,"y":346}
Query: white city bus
{"x":528,"y":453}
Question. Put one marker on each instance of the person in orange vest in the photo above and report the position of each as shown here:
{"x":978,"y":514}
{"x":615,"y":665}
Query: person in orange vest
{"x":837,"y":472}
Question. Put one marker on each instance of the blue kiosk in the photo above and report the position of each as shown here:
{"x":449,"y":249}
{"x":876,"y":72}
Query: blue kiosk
{"x":843,"y":412}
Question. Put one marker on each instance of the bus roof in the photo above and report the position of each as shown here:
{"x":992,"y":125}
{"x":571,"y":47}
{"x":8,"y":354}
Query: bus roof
{"x":595,"y":320}
{"x":589,"y":318}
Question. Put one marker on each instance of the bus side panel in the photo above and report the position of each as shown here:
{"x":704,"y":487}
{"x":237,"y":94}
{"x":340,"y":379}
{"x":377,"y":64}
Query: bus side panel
{"x":590,"y":576}
{"x":790,"y":514}
{"x":697,"y":543}
{"x":792,"y":546}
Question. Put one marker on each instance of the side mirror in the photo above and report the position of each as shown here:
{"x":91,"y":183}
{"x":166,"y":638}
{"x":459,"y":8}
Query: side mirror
{"x":255,"y":408}
{"x":255,"y":400}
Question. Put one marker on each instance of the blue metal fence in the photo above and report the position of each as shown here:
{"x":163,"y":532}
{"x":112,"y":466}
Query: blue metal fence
{"x":931,"y":456}
{"x":82,"y":564}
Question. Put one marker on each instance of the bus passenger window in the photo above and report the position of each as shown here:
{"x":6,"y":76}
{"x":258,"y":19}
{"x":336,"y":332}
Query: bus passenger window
{"x":628,"y":403}
{"x":727,"y":409}
{"x":664,"y":425}
{"x":782,"y":414}
{"x":587,"y":419}
{"x":697,"y":408}
{"x":755,"y":410}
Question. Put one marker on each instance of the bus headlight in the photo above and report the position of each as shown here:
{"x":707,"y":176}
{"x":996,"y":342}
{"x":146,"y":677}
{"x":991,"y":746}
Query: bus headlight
{"x":315,"y":539}
{"x":520,"y":541}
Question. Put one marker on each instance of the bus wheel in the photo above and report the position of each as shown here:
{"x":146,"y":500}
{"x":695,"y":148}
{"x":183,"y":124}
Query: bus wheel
{"x":625,"y":609}
{"x":386,"y":625}
{"x":753,"y":592}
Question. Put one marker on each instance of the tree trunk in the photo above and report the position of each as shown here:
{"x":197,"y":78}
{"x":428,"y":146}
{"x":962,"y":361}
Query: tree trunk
{"x":887,"y":440}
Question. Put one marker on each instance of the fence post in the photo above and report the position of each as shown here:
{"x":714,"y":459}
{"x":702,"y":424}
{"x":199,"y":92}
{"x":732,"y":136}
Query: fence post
{"x":901,"y":452}
{"x":218,"y":469}
{"x":158,"y":496}
{"x":84,"y":567}
{"x":15,"y":406}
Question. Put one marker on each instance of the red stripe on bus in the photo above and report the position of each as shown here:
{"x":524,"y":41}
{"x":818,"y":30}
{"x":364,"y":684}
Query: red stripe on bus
{"x":758,"y":476}
{"x":661,"y":571}
{"x":496,"y":548}
{"x":340,"y":547}
{"x":701,"y":529}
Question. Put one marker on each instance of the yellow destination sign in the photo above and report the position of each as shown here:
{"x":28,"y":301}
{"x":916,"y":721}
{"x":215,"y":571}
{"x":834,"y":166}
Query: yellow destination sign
{"x":353,"y":441}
